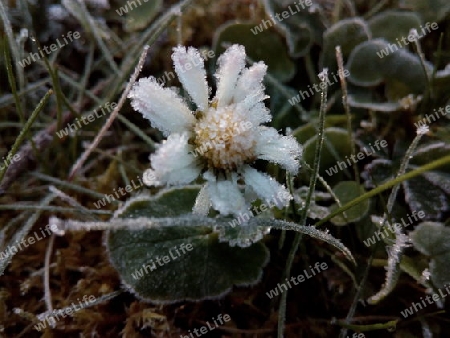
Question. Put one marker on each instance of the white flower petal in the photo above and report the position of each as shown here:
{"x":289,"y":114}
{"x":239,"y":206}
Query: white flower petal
{"x":250,"y":83}
{"x":190,"y":69}
{"x":268,"y":189}
{"x":284,"y":150}
{"x":202,"y":202}
{"x":225,"y":195}
{"x":231,"y":63}
{"x":172,"y":163}
{"x":255,"y":115}
{"x":253,"y":100}
{"x":162,"y":106}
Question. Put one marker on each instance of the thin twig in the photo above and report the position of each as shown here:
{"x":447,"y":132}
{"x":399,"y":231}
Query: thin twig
{"x":61,"y":227}
{"x":71,"y":201}
{"x":47,"y":293}
{"x":50,"y":208}
{"x":112,"y":117}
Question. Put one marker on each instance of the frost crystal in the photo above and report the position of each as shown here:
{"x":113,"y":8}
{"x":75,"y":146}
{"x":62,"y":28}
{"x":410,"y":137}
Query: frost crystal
{"x":422,"y":130}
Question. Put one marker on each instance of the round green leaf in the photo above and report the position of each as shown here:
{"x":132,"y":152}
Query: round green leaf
{"x":392,"y":25}
{"x":167,"y":203}
{"x":420,"y":194}
{"x":179,"y":256}
{"x":433,"y":239}
{"x":141,"y":17}
{"x":309,"y":130}
{"x":347,"y":33}
{"x":207,"y":271}
{"x":364,"y":63}
{"x":347,"y":191}
{"x":405,"y":67}
{"x":373,"y":61}
{"x":432,"y":151}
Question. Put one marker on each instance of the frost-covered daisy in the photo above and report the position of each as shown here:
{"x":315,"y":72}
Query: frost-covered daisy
{"x":220,"y":139}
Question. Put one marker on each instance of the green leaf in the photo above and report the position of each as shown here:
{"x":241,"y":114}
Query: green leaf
{"x":433,"y":239}
{"x":379,"y":171}
{"x":336,"y":147}
{"x":141,"y":17}
{"x":284,"y":114}
{"x":414,"y":267}
{"x":207,"y":271}
{"x":275,"y":57}
{"x":347,"y":191}
{"x":393,"y":24}
{"x":347,"y":33}
{"x":309,"y":130}
{"x":366,"y":98}
{"x":153,"y":264}
{"x":302,"y":29}
{"x":374,"y":61}
{"x":170,"y":202}
{"x":405,"y":67}
{"x":427,"y":153}
{"x":421,"y":195}
{"x":364,"y":64}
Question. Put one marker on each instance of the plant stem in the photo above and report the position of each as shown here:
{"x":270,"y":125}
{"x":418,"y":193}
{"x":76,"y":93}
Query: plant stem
{"x":312,"y":185}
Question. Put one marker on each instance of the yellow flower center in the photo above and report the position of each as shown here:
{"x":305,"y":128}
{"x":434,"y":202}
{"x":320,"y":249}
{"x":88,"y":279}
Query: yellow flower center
{"x":224,"y":139}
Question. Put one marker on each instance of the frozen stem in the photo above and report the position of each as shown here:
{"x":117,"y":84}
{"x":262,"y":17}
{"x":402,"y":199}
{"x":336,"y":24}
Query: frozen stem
{"x":395,"y":252}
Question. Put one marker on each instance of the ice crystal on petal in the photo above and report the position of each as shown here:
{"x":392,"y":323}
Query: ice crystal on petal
{"x":231,"y":64}
{"x":183,"y":169}
{"x":191,"y":72}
